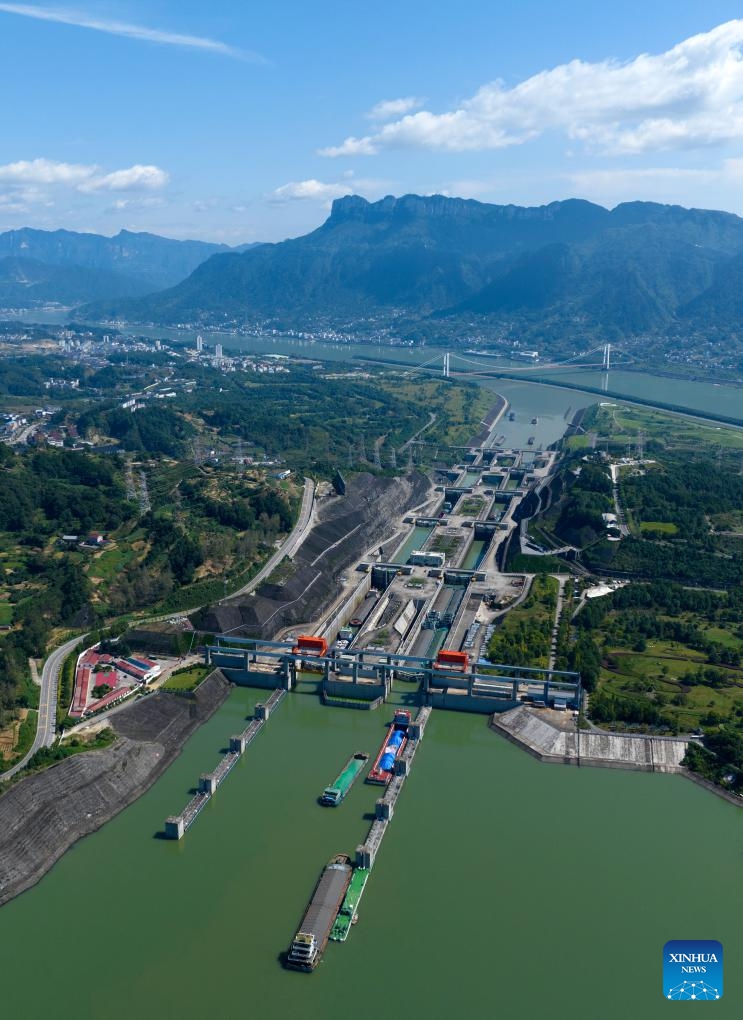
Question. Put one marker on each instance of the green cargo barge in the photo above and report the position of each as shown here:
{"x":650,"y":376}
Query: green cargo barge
{"x":347,"y":915}
{"x":333,"y":795}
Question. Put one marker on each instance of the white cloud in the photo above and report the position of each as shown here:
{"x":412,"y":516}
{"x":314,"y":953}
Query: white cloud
{"x":704,"y":187}
{"x":28,"y":174}
{"x":134,"y":178}
{"x":390,"y":108}
{"x":316,"y":191}
{"x":46,"y":171}
{"x":66,"y":16}
{"x":326,"y":191}
{"x":686,"y":97}
{"x":131,"y":204}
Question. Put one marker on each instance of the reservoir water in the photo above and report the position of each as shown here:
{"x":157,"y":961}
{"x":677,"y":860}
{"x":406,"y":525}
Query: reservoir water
{"x":504,"y":887}
{"x":697,"y":396}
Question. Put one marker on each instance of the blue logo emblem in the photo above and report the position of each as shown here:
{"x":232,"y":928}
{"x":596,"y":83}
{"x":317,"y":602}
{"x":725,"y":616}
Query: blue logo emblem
{"x":692,"y":969}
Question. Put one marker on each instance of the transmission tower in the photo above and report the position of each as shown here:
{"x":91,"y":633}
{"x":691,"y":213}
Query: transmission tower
{"x":144,"y":497}
{"x":640,"y":444}
{"x":393,"y":460}
{"x":131,"y":493}
{"x":350,"y":456}
{"x":362,"y":447}
{"x":377,"y":458}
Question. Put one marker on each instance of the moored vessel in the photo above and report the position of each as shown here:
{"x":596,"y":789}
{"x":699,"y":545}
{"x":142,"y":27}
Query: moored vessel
{"x":310,"y":940}
{"x":348,"y":914}
{"x":393,"y":746}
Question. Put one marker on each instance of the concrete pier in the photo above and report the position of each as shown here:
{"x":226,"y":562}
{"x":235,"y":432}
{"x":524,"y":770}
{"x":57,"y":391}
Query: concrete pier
{"x":549,"y":739}
{"x":177,"y":825}
{"x":385,"y":807}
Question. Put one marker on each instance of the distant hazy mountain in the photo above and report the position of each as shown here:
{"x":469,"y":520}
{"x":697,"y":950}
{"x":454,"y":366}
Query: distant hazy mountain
{"x":634,"y":269}
{"x":27,"y":283}
{"x":126,"y":264}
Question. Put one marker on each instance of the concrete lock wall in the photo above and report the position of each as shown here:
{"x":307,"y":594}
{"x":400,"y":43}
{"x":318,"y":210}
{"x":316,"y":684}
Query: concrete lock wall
{"x":252,"y":678}
{"x":345,"y":612}
{"x":468,"y":703}
{"x":348,"y":689}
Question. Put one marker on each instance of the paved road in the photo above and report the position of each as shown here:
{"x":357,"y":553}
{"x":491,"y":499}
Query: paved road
{"x":292,"y":543}
{"x":561,"y":579}
{"x":47,"y":704}
{"x":25,"y":434}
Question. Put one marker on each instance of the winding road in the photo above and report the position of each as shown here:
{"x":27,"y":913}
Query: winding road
{"x":47,"y":704}
{"x":290,"y":545}
{"x":47,"y":722}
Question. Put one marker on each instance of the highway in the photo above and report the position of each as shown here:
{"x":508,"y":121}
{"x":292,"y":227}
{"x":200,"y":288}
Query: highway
{"x":304,"y":522}
{"x":47,"y":704}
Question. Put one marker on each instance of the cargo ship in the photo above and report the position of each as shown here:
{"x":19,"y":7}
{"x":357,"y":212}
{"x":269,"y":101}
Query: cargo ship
{"x":393,"y":746}
{"x":333,"y":795}
{"x":348,"y":915}
{"x":309,"y":943}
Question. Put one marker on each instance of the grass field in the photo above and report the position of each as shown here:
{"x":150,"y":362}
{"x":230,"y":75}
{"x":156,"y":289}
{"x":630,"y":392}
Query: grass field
{"x":523,"y":636}
{"x":110,"y":563}
{"x":6,"y":614}
{"x":661,"y":527}
{"x":622,"y":422}
{"x":186,"y":679}
{"x":642,"y":674}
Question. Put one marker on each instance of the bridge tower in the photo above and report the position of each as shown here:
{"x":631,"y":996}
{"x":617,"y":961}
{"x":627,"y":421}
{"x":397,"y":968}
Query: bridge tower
{"x":607,"y":357}
{"x":446,"y":365}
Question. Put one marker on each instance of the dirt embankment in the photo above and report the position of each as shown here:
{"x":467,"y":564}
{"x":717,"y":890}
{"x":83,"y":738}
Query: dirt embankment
{"x":488,"y":421}
{"x":42,"y":816}
{"x":347,"y":526}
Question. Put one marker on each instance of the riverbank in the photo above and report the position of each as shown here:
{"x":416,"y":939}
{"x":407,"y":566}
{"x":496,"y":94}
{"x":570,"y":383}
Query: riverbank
{"x":553,"y":737}
{"x":44,"y":815}
{"x":491,"y":419}
{"x":555,"y":742}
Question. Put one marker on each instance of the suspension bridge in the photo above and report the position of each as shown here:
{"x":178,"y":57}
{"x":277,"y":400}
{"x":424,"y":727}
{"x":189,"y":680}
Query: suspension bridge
{"x":449,"y":363}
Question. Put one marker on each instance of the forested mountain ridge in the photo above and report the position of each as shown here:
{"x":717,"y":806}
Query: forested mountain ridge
{"x":639,"y":267}
{"x":85,"y":267}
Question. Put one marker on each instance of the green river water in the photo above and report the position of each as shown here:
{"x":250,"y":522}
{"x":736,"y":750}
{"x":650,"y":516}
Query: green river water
{"x":504,"y":887}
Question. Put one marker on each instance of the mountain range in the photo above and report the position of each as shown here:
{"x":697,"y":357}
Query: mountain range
{"x":39,"y":266}
{"x":638,"y":268}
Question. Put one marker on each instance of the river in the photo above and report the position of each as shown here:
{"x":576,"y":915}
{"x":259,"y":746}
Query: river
{"x":698,"y":397}
{"x":504,"y":887}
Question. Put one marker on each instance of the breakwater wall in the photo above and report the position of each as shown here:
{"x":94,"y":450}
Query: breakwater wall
{"x":531,"y":730}
{"x":340,"y":702}
{"x":43,"y":815}
{"x":209,"y":782}
{"x":385,"y":807}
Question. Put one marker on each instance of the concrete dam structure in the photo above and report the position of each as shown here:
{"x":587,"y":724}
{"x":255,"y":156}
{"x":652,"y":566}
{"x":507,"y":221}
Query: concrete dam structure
{"x":533,"y":730}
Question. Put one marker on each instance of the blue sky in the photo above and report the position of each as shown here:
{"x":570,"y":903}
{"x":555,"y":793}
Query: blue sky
{"x":238,"y":121}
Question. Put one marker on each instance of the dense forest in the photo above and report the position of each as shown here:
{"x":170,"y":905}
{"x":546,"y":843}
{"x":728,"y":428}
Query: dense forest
{"x":51,"y":490}
{"x":687,"y":646}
